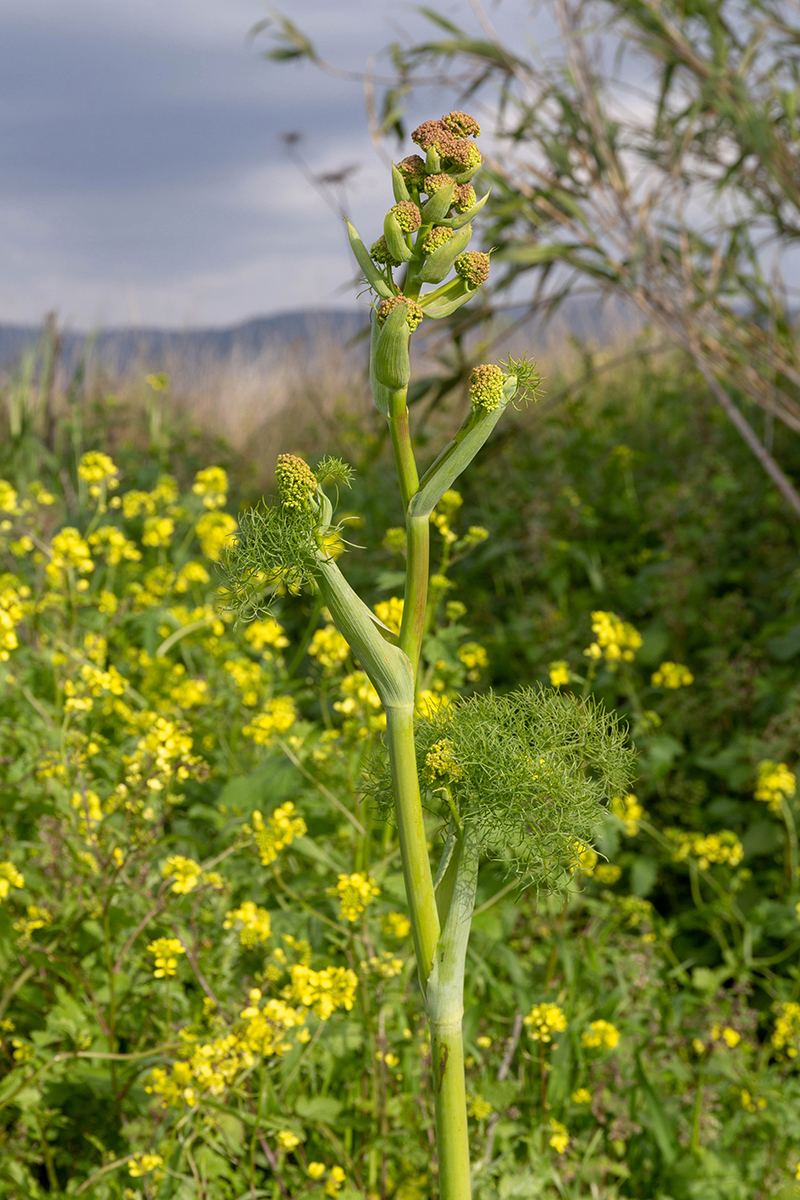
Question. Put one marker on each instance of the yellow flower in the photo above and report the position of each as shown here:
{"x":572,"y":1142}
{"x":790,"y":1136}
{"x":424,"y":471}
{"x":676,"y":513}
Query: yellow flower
{"x":440,"y":762}
{"x":316,"y":1170}
{"x":560,"y":1137}
{"x":37,"y":918}
{"x":213,"y":530}
{"x":726,"y":1034}
{"x":390,"y":612}
{"x":212,"y":484}
{"x":672,"y":675}
{"x":279,"y":715}
{"x":607,"y":873}
{"x":158,"y":531}
{"x":585,"y":858}
{"x":479,"y":1108}
{"x":429,"y":703}
{"x":329,"y":647}
{"x":544,"y":1020}
{"x":600,"y":1034}
{"x":581,"y":1096}
{"x":722,"y":847}
{"x":279,"y":831}
{"x":474,"y":658}
{"x":484,"y":1042}
{"x":776,"y":784}
{"x":96,"y":469}
{"x":322,"y":991}
{"x":254,"y":921}
{"x":185,"y":872}
{"x":786,"y":1036}
{"x":616,"y":640}
{"x":559,"y":673}
{"x":287,"y":1139}
{"x":354,"y":892}
{"x":261,"y":634}
{"x":165,"y":952}
{"x":141,"y":1164}
{"x":628,"y":810}
{"x":396,"y":924}
{"x":9,"y":877}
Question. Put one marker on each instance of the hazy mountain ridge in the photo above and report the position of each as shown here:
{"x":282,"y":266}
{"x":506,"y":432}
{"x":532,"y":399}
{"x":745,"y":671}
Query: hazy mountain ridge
{"x":120,"y":349}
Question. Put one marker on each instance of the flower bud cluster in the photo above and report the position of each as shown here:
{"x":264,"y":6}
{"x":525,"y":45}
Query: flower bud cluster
{"x":296,"y":481}
{"x":486,"y":383}
{"x":413,"y":316}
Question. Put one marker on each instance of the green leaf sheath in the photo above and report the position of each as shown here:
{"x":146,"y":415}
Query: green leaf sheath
{"x":445,"y":1007}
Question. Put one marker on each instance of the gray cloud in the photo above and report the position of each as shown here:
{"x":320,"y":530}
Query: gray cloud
{"x":143,"y":173}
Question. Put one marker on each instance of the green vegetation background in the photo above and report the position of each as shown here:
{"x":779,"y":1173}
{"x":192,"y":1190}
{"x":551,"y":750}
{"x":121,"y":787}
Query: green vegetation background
{"x":628,"y":495}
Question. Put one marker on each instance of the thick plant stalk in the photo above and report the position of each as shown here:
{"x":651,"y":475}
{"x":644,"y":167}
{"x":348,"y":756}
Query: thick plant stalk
{"x":445,"y":1007}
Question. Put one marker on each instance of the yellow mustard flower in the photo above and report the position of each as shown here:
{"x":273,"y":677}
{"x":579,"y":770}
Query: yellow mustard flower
{"x":607,"y":873}
{"x":185,"y":873}
{"x":672,"y":675}
{"x":10,"y":877}
{"x":559,"y":1139}
{"x":628,"y":810}
{"x":266,"y":635}
{"x":396,"y":925}
{"x":165,"y":952}
{"x":559,"y":673}
{"x":600,"y":1034}
{"x":479,"y":1108}
{"x":581,"y":1095}
{"x":142,"y":1164}
{"x":723,"y":847}
{"x":278,"y":831}
{"x":212,"y":484}
{"x":616,"y":640}
{"x":288,"y":1140}
{"x":354,"y":893}
{"x":544,"y":1020}
{"x":390,"y":612}
{"x":321,"y":991}
{"x":329,"y":648}
{"x":213,"y":530}
{"x":316,"y":1170}
{"x":776,"y":784}
{"x":254,"y":922}
{"x":279,"y":715}
{"x":786,"y":1035}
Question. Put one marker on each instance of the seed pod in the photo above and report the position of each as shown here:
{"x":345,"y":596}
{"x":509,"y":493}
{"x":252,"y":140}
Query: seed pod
{"x":371,"y":273}
{"x":399,"y":188}
{"x":438,"y":205}
{"x":395,"y":238}
{"x":438,"y":266}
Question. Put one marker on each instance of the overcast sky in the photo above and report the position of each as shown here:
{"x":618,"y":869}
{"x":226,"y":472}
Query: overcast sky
{"x":143,"y":175}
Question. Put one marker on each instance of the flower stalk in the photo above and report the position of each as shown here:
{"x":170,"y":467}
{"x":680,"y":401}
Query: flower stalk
{"x":519,"y":779}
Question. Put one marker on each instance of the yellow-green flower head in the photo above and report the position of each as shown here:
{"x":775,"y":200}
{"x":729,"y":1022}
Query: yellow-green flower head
{"x":435,"y":183}
{"x":435,"y":238}
{"x":413,"y":316}
{"x":461,"y":124}
{"x":440,"y":761}
{"x":413,"y":170}
{"x":464,"y":197}
{"x":473,"y":267}
{"x":486,"y":384}
{"x":381,"y":253}
{"x":296,"y":481}
{"x":407,"y":215}
{"x":434,"y":135}
{"x":463,"y":154}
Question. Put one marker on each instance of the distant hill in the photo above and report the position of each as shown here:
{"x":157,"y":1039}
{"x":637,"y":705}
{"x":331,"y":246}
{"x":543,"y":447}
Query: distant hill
{"x":120,"y":349}
{"x":127,"y":348}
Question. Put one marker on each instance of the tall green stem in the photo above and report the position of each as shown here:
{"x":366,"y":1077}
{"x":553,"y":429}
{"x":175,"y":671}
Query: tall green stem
{"x":413,"y":839}
{"x":401,"y":444}
{"x":418,"y":538}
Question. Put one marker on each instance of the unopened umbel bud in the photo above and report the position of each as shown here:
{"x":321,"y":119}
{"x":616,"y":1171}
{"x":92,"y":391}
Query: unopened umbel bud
{"x":433,"y":135}
{"x":414,"y":313}
{"x":486,"y":383}
{"x":435,"y":238}
{"x":413,"y":170}
{"x":433,"y":183}
{"x":464,"y":197}
{"x":380,"y":252}
{"x":407,"y":216}
{"x":296,"y":481}
{"x":473,"y":267}
{"x":464,"y":155}
{"x":461,"y":124}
